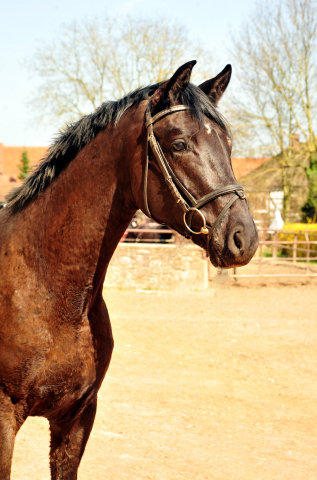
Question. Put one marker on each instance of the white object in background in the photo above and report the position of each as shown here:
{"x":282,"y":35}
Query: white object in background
{"x":275,"y":200}
{"x":278,"y":222}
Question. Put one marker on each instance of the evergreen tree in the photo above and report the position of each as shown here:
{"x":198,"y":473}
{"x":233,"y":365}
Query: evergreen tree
{"x":24,"y":168}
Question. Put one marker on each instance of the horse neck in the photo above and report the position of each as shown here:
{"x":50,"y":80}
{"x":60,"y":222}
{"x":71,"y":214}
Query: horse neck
{"x":74,"y":226}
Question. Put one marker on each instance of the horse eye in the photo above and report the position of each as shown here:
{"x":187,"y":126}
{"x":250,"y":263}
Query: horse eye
{"x":179,"y":146}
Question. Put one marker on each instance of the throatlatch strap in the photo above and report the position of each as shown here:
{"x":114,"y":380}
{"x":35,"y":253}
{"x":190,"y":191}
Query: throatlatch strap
{"x":146,"y":170}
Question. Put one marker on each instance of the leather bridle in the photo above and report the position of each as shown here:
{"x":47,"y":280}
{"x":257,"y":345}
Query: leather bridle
{"x":182,"y":196}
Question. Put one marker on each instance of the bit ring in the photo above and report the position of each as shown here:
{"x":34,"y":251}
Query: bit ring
{"x":203,"y":229}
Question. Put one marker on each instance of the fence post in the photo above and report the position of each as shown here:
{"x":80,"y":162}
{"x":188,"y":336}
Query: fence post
{"x":275,"y":246}
{"x":295,"y":249}
{"x":308,"y":251}
{"x":260,"y":262}
{"x":209,"y":270}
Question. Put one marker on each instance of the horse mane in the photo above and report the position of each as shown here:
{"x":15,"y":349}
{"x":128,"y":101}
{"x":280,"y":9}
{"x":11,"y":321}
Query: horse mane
{"x":78,"y":134}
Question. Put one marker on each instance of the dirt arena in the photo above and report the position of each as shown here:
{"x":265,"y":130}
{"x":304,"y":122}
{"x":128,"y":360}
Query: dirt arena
{"x":217,"y":385}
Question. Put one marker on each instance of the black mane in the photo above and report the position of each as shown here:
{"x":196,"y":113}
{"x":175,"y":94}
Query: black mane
{"x":80,"y":133}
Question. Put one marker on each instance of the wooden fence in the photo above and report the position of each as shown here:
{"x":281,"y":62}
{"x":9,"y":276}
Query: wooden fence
{"x":276,"y":247}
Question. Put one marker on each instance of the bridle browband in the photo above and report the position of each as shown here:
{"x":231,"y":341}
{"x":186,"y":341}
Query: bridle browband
{"x":182,"y":196}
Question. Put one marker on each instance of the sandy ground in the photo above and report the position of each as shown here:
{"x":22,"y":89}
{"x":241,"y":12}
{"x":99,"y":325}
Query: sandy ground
{"x":217,"y":385}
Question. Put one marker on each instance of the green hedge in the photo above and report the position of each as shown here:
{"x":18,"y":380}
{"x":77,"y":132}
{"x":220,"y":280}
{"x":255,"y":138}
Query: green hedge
{"x":292,"y":230}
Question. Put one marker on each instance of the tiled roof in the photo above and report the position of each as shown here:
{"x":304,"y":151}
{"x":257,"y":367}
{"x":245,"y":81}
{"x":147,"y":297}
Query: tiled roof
{"x":242,"y":166}
{"x":10,"y":158}
{"x":7,"y":183}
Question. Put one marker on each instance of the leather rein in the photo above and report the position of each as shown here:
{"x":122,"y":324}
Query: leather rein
{"x":182,"y":196}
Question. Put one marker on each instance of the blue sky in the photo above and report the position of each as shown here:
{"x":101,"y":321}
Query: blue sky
{"x":25,"y":25}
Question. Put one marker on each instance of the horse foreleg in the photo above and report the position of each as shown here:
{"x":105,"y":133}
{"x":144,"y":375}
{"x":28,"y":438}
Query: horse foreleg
{"x":68,"y":441}
{"x":8,"y":430}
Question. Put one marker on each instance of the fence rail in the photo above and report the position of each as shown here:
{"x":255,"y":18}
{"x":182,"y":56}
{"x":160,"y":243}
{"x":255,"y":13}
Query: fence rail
{"x":149,"y":235}
{"x":273,"y":250}
{"x":299,"y":249}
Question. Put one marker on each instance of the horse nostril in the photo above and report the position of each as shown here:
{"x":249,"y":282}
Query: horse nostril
{"x":236,"y":242}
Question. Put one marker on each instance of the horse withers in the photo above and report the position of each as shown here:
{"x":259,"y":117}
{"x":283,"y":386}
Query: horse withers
{"x":164,"y":149}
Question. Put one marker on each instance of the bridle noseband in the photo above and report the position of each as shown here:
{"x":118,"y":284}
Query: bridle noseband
{"x":182,"y":196}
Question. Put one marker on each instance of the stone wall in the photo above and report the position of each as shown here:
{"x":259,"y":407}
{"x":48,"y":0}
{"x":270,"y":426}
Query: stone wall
{"x":158,"y":267}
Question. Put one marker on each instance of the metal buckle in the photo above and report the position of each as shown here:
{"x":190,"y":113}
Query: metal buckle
{"x":203,"y":229}
{"x":241,"y":194}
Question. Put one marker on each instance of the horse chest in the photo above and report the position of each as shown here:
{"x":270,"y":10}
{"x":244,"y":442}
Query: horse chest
{"x":62,"y":373}
{"x":72,"y":355}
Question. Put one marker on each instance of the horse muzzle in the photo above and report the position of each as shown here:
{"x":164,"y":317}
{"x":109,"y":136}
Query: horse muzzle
{"x":235,"y":245}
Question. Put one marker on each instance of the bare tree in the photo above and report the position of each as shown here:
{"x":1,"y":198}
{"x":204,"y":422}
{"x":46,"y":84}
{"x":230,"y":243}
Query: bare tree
{"x":276,"y":62}
{"x":101,"y":59}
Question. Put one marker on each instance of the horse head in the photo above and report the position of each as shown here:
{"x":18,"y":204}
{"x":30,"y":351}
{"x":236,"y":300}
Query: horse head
{"x":189,"y":183}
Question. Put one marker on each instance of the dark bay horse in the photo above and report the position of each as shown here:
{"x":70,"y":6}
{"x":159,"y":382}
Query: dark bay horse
{"x":164,"y":149}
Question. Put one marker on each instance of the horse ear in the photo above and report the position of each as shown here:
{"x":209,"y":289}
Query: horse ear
{"x":216,"y":86}
{"x":169,"y":93}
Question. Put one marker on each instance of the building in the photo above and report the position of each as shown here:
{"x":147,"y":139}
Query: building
{"x":243,"y":166}
{"x":264,"y":189}
{"x":10,"y":158}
